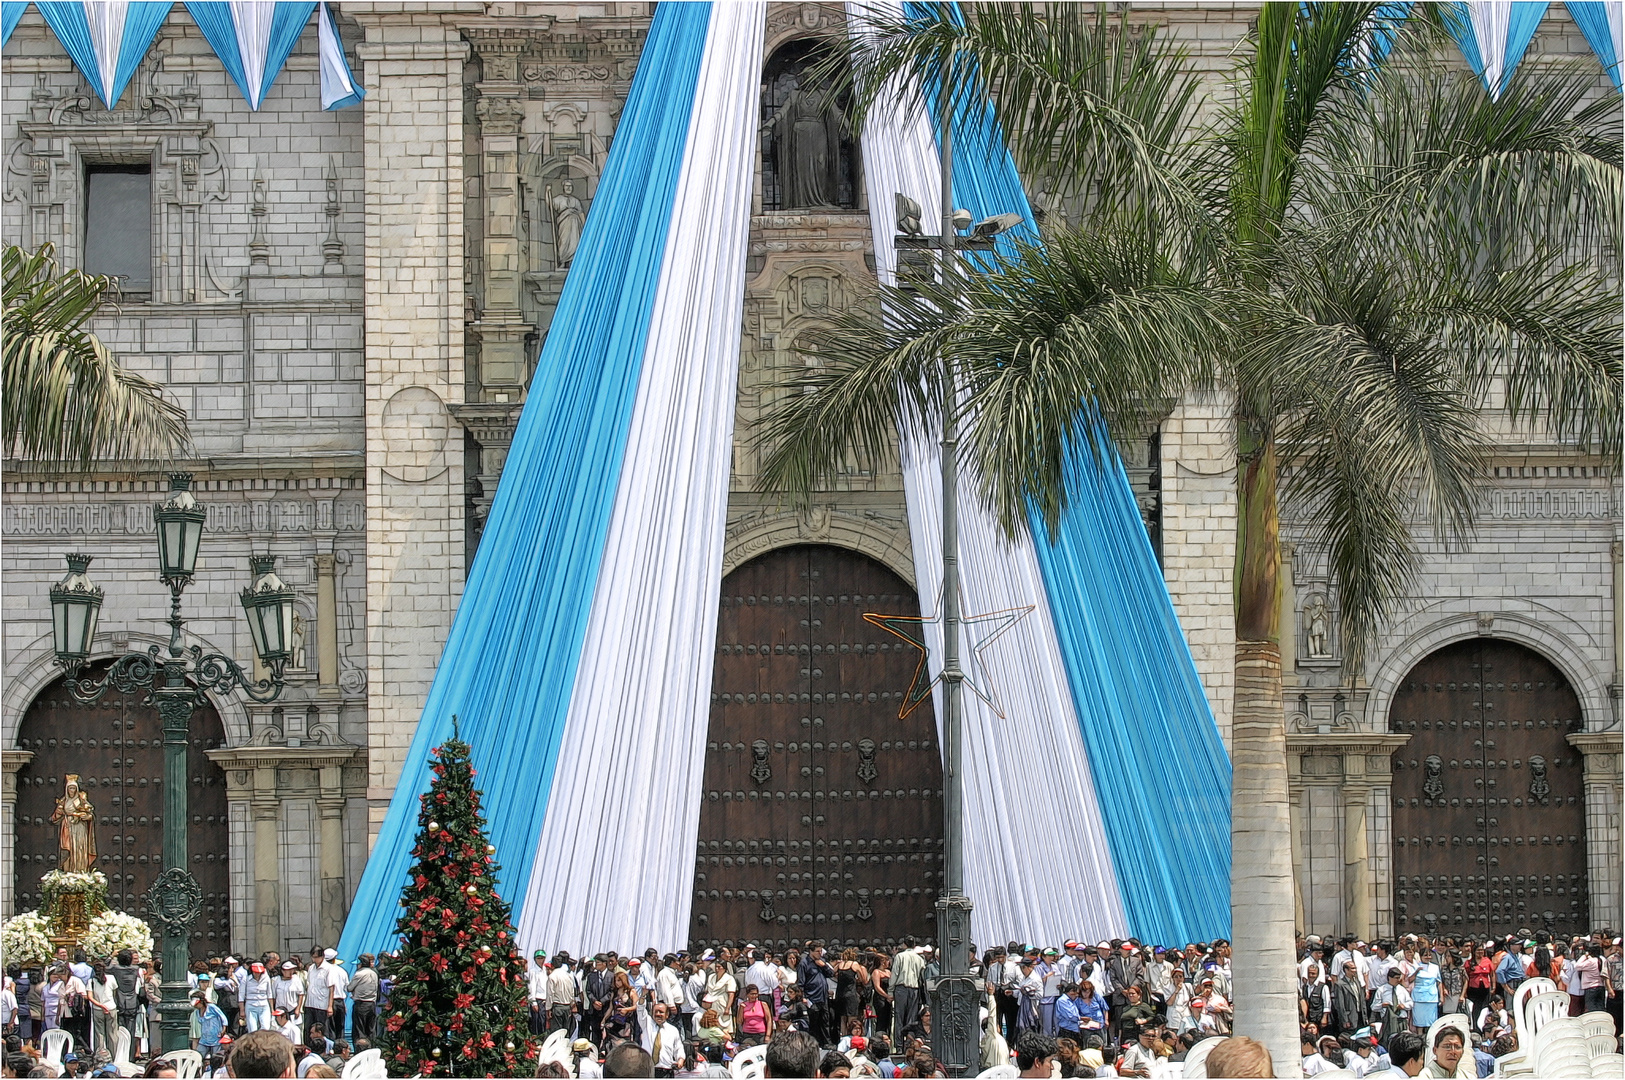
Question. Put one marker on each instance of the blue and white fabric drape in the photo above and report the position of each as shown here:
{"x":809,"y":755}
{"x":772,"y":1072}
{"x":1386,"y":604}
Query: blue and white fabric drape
{"x":580,"y":656}
{"x":1493,"y":35}
{"x":1098,"y":683}
{"x":107,"y":40}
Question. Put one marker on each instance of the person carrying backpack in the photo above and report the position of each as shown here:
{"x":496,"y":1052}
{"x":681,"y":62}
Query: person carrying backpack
{"x":129,"y":991}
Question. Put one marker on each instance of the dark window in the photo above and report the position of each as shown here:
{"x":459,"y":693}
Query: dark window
{"x":118,"y":224}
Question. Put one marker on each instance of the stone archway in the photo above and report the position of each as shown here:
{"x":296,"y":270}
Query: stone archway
{"x":115,"y":745}
{"x":1487,"y":795}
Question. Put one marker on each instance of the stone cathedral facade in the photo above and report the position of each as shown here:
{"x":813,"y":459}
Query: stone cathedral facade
{"x":350,"y":305}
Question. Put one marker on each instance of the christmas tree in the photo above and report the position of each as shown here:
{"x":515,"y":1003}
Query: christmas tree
{"x":459,"y":1005}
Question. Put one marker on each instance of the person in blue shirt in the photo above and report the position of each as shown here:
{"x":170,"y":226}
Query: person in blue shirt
{"x":1511,"y":971}
{"x":208,"y":1023}
{"x":1066,"y":1014}
{"x":1092,"y":1011}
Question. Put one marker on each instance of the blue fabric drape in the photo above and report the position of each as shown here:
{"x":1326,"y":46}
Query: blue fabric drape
{"x":510,"y":661}
{"x":1591,"y":16}
{"x":11,"y":13}
{"x":288,"y":21}
{"x":1134,"y":683}
{"x":67,"y":21}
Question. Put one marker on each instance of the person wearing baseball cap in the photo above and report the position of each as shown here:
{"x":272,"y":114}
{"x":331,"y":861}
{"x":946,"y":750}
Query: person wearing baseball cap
{"x":255,"y":1000}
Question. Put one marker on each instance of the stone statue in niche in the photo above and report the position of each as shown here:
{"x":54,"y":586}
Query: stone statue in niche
{"x":75,"y":820}
{"x":568,"y":218}
{"x":1316,"y":624}
{"x":296,"y":643}
{"x":807,"y":147}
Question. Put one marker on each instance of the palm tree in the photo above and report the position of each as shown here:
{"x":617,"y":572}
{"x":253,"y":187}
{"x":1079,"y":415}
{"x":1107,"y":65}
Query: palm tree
{"x":1377,"y":267}
{"x":67,"y":402}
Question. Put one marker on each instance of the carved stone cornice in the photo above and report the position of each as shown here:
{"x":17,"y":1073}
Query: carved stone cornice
{"x":489,"y":421}
{"x":1601,"y":751}
{"x":249,"y":758}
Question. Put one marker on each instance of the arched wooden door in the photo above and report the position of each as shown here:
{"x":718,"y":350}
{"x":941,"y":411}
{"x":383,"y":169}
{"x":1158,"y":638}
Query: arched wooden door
{"x":822,"y":813}
{"x":1488,"y":800}
{"x":116,"y":746}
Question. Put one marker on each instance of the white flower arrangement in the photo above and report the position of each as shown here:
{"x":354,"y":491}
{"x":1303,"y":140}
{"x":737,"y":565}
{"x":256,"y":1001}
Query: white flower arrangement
{"x":26,"y":939}
{"x":62,"y":881}
{"x":114,"y":930}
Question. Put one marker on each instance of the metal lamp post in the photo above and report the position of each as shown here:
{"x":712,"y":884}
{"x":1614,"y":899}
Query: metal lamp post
{"x":956,"y":994}
{"x":175,"y":681}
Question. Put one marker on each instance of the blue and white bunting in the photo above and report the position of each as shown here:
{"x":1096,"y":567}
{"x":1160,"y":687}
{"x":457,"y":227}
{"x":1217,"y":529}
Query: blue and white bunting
{"x":253,"y":40}
{"x":1493,"y":35}
{"x":339,"y":88}
{"x":11,"y":13}
{"x":106,"y":40}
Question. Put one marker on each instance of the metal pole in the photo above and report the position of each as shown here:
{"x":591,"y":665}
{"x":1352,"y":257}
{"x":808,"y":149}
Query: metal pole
{"x":175,"y":701}
{"x":956,"y":994}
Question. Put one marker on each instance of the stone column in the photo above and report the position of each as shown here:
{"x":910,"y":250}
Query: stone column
{"x":267,"y":862}
{"x":330,"y":915}
{"x":1289,"y":618}
{"x":327,"y":624}
{"x":1604,"y":800}
{"x":1295,"y":817}
{"x":1616,"y":552}
{"x":1356,"y":848}
{"x":414,"y":295}
{"x":10,"y":763}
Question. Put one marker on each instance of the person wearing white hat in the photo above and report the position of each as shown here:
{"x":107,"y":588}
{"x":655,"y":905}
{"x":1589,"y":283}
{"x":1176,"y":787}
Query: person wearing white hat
{"x":586,"y":1059}
{"x":318,"y":990}
{"x":288,"y":994}
{"x":338,"y":982}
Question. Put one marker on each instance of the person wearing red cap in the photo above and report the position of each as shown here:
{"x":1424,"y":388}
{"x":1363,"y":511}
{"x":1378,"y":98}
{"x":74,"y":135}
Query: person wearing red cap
{"x":256,"y":998}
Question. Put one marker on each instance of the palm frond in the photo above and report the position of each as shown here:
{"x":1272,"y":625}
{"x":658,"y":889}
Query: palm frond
{"x":67,"y":401}
{"x":1092,"y":107}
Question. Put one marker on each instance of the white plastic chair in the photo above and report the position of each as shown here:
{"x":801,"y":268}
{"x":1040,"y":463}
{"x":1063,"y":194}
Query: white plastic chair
{"x":121,"y":1054}
{"x":188,"y":1063}
{"x":556,"y":1047}
{"x":1520,"y":998}
{"x":1599,"y":1045}
{"x":999,"y":1072}
{"x":749,"y":1064}
{"x":1338,"y":1074}
{"x":1542,"y":1009}
{"x":54,"y":1044}
{"x":1597,"y":1023}
{"x":1608,"y":1066}
{"x":367,"y":1065}
{"x":1196,"y":1060}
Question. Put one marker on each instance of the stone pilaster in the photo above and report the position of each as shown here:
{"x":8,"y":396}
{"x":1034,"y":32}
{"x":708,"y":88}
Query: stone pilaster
{"x":413,"y":149}
{"x":327,"y":624}
{"x":10,"y":763}
{"x":1603,"y":800}
{"x":1356,"y":848}
{"x":330,"y":919}
{"x":267,"y":875}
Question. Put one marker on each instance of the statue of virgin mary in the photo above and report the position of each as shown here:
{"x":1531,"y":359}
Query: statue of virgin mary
{"x":75,"y":820}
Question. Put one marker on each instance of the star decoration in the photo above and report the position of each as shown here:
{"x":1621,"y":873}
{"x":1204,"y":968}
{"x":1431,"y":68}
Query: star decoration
{"x":911,"y":628}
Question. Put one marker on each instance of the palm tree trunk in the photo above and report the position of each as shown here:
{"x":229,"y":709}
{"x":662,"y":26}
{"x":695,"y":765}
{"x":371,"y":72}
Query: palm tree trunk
{"x":1261,"y":883}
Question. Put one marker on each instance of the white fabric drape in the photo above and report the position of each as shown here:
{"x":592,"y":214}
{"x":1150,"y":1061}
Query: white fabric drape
{"x":106,"y":23}
{"x":614,"y":865}
{"x":252,"y":22}
{"x":1029,"y":796}
{"x":1491,"y":20}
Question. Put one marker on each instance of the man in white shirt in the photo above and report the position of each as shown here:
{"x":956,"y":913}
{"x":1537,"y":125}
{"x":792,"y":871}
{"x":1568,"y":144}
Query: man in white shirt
{"x":763,"y":975}
{"x":1376,"y":968}
{"x":1141,"y":1056}
{"x":536,"y":979}
{"x":561,"y":994}
{"x":338,"y":985}
{"x":669,"y":986}
{"x":663,"y":1042}
{"x":318,"y":991}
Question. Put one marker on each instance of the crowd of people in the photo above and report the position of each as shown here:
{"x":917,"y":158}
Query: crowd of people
{"x":1113,"y":1008}
{"x":310,"y":1005}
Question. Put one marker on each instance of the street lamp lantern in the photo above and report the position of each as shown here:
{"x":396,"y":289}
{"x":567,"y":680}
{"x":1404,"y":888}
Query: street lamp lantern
{"x":175,"y":681}
{"x":269,"y":605}
{"x":180,"y":530}
{"x":75,"y":604}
